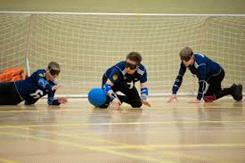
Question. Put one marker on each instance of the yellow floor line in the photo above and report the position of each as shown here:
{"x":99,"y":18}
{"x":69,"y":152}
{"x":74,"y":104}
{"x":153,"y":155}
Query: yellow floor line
{"x":67,"y":109}
{"x":174,"y":146}
{"x":4,"y":160}
{"x":122,"y":123}
{"x":81,"y":147}
{"x":121,"y":145}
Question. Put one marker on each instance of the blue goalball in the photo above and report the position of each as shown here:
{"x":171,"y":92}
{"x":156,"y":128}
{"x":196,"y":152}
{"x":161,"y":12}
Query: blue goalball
{"x":97,"y":97}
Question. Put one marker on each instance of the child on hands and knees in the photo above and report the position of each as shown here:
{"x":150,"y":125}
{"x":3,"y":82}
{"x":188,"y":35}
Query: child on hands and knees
{"x":122,"y":77}
{"x":210,"y":75}
{"x":40,"y":83}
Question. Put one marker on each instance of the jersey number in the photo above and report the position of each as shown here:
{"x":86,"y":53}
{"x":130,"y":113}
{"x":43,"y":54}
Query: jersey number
{"x":130,"y":84}
{"x":37,"y":94}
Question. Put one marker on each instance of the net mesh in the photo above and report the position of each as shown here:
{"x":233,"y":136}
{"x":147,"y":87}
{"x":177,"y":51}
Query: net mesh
{"x":86,"y":45}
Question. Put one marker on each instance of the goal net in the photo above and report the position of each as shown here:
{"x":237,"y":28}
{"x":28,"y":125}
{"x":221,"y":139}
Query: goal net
{"x":86,"y":44}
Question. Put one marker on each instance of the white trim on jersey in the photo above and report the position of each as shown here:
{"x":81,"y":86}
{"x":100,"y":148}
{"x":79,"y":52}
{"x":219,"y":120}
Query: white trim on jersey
{"x":141,"y":72}
{"x":197,"y":65}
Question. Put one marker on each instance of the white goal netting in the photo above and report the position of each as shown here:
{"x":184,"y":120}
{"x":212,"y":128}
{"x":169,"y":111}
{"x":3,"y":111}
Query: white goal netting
{"x":86,"y":45}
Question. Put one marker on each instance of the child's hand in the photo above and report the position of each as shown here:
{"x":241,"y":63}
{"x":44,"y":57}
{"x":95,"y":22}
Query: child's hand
{"x":62,"y":100}
{"x":146,"y":103}
{"x":115,"y":104}
{"x":173,"y":98}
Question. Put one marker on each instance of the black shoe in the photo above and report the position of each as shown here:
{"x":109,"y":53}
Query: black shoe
{"x":238,"y":92}
{"x":233,"y":90}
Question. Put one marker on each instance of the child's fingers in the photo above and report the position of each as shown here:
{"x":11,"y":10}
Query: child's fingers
{"x":146,"y":103}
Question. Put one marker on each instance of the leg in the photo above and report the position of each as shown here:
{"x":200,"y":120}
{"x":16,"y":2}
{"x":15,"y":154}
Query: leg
{"x":235,"y":90}
{"x":225,"y":92}
{"x":9,"y":94}
{"x":132,"y":97}
{"x":214,"y":90}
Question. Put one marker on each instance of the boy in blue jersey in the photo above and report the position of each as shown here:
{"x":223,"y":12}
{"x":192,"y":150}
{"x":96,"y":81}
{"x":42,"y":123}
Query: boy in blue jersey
{"x":40,"y":83}
{"x":210,"y":75}
{"x":122,"y":77}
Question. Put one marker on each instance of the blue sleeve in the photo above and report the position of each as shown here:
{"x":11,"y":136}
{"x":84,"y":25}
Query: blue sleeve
{"x":108,"y":90}
{"x":179,"y":78}
{"x":201,"y":80}
{"x":115,"y":76}
{"x":42,"y":82}
{"x":143,"y":79}
{"x":51,"y":99}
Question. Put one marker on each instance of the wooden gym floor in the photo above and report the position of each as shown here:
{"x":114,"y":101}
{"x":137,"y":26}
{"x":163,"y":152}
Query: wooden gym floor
{"x":76,"y":132}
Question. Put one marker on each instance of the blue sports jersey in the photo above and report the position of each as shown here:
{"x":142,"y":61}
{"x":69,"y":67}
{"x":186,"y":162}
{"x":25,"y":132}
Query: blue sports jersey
{"x":117,"y":75}
{"x":35,"y":87}
{"x":203,"y":67}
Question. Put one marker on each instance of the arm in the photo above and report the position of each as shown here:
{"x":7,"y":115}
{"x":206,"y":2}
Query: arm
{"x":202,"y":83}
{"x":55,"y":101}
{"x":143,"y":87}
{"x":179,"y":79}
{"x":144,"y":94}
{"x":144,"y":90}
{"x":107,"y":88}
{"x":43,"y":83}
{"x":114,"y":77}
{"x":178,"y":82}
{"x":115,"y":102}
{"x":52,"y":100}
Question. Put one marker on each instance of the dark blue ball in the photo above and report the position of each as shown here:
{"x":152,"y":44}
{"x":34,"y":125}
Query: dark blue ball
{"x":97,"y":97}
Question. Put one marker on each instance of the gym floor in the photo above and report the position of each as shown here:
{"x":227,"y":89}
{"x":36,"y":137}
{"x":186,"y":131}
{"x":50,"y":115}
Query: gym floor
{"x":75,"y":132}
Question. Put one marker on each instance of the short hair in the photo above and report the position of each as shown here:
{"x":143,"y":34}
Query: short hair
{"x":186,"y":54}
{"x":134,"y":56}
{"x":54,"y":67}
